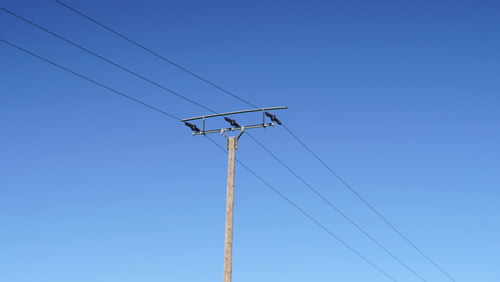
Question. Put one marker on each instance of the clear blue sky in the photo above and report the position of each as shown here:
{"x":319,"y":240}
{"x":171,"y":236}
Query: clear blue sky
{"x":400,"y":97}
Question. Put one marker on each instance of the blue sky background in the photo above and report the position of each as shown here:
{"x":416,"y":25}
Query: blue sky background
{"x":400,"y":97}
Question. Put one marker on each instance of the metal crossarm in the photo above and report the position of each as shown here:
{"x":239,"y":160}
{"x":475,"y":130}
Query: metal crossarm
{"x":234,"y":113}
{"x":228,"y":129}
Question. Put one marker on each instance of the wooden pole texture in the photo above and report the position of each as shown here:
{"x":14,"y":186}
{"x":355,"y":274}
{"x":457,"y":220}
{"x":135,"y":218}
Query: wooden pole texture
{"x":232,"y":144}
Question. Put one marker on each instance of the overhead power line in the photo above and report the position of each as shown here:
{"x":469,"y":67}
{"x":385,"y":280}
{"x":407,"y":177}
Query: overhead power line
{"x":178,"y":119}
{"x":91,"y":80}
{"x":371,"y":207}
{"x":306,"y":214}
{"x":392,"y":226}
{"x":163,"y":58}
{"x":334,"y":207}
{"x":107,"y":60}
{"x":204,"y":107}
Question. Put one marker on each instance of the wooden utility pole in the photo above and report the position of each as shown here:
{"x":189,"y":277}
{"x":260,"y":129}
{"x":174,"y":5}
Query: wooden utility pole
{"x":232,"y":143}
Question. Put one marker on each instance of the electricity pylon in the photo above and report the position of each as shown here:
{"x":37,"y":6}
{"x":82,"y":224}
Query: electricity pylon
{"x":232,"y":145}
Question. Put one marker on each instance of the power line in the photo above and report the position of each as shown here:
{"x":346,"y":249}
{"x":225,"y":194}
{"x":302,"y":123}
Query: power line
{"x":392,"y":226}
{"x":153,"y":52}
{"x":200,"y":105}
{"x":334,"y":207}
{"x":371,"y":207}
{"x":303,"y":212}
{"x":251,"y":104}
{"x":176,"y":118}
{"x":90,"y":80}
{"x":107,"y":60}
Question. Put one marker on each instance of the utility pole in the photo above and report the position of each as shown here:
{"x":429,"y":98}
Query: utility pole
{"x":232,"y":145}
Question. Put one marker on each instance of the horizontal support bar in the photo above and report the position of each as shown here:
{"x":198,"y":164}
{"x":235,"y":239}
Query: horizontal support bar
{"x":222,"y":130}
{"x":233,"y":113}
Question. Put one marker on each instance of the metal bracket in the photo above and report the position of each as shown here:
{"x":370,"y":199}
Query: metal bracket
{"x":223,"y":133}
{"x":241,"y":133}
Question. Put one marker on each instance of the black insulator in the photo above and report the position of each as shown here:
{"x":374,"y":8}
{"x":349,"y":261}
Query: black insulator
{"x":192,"y":126}
{"x":232,"y":122}
{"x":273,"y":118}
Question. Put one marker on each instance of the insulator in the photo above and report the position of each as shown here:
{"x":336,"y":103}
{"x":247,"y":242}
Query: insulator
{"x":232,"y":122}
{"x":192,"y":126}
{"x":273,"y":118}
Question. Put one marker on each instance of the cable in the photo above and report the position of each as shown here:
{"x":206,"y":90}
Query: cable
{"x":303,"y":212}
{"x":154,"y":53}
{"x":107,"y":60}
{"x":367,"y":203}
{"x":253,"y":105}
{"x":174,"y":117}
{"x":89,"y":79}
{"x":334,"y":207}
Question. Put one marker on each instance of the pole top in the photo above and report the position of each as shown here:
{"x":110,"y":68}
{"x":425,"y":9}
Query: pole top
{"x":235,"y":126}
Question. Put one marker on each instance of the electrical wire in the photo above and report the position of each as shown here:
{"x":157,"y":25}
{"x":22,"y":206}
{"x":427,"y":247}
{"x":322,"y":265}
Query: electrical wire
{"x":253,"y":105}
{"x":189,"y":100}
{"x":371,"y":207}
{"x":90,"y":80}
{"x":202,"y":106}
{"x":334,"y":207}
{"x":303,"y":212}
{"x":163,"y":58}
{"x":107,"y":60}
{"x":392,"y":226}
{"x":242,"y":164}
